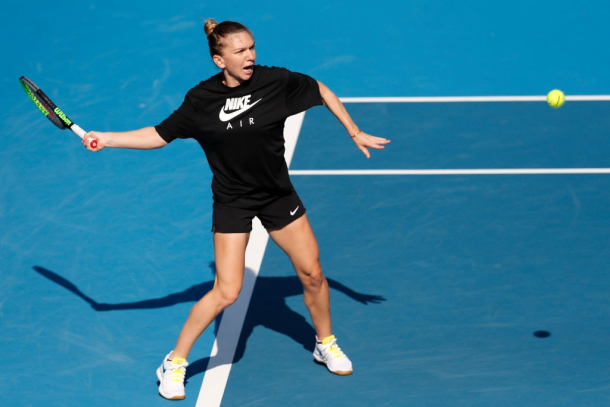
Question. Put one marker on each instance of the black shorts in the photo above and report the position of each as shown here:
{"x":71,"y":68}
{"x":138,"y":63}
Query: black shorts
{"x":274,"y":215}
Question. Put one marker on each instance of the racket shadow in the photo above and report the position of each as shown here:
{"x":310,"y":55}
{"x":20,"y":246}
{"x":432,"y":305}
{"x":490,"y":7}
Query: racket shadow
{"x":192,"y":294}
{"x":267,"y":308}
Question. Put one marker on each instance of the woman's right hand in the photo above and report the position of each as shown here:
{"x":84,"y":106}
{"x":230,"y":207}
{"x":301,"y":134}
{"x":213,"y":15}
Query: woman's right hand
{"x":95,"y":135}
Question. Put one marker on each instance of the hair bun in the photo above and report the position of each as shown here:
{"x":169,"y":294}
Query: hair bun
{"x":218,"y":34}
{"x":209,"y":26}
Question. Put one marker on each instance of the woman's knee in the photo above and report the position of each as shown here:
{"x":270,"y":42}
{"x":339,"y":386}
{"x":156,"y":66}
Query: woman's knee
{"x":312,"y":274}
{"x":227,"y":295}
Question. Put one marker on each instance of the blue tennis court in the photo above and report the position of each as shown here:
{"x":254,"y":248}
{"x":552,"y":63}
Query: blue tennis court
{"x":454,"y":288}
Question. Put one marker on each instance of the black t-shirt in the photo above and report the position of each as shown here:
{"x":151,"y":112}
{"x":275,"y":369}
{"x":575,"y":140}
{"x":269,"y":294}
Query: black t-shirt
{"x":241,"y":130}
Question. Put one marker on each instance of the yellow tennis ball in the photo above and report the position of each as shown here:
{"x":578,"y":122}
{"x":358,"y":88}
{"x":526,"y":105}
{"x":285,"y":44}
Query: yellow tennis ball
{"x":555,"y":98}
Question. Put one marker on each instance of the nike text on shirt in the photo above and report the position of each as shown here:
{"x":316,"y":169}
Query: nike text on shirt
{"x":241,"y":104}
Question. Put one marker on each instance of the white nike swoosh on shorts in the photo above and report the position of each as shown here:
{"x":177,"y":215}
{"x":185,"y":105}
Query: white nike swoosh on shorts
{"x":295,"y":211}
{"x":225,"y":117}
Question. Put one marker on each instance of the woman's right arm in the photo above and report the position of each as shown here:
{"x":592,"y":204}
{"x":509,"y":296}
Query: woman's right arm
{"x":142,"y":139}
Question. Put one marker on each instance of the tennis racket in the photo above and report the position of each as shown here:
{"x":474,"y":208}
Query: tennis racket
{"x":51,"y":111}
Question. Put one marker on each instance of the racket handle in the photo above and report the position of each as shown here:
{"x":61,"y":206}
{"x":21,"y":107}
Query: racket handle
{"x":81,"y":133}
{"x":78,"y":130}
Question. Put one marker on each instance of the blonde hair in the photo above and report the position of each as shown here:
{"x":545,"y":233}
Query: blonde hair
{"x":217,"y":33}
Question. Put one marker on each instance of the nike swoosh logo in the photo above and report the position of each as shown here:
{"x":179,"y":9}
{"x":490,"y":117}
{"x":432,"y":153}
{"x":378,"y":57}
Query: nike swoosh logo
{"x":225,"y":117}
{"x":295,"y":211}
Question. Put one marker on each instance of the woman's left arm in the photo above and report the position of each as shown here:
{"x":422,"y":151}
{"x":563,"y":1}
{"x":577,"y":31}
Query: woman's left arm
{"x":363,"y":140}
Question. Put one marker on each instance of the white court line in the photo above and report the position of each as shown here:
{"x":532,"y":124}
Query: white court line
{"x":491,"y":171}
{"x":217,"y":373}
{"x":462,"y":99}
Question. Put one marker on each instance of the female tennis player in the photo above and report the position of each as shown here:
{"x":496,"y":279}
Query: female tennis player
{"x":238,"y":116}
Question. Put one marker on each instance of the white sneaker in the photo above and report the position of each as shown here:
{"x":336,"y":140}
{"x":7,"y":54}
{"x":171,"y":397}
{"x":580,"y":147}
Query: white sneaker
{"x":171,"y":378}
{"x":328,"y":353}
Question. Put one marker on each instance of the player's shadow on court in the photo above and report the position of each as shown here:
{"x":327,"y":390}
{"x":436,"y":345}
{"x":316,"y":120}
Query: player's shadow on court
{"x":267,"y":308}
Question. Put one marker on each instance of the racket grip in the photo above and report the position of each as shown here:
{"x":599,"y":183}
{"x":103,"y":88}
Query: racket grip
{"x":78,"y":130}
{"x":81,"y":133}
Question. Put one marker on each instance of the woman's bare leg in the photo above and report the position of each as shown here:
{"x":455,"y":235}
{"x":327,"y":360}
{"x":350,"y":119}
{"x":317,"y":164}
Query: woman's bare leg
{"x":299,"y":243}
{"x":229,"y":253}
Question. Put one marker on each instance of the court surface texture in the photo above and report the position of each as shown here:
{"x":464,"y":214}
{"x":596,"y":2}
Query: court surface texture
{"x":468,"y":261}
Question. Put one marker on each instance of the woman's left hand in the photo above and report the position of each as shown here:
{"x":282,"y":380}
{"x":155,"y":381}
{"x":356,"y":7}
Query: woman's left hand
{"x":364,"y":141}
